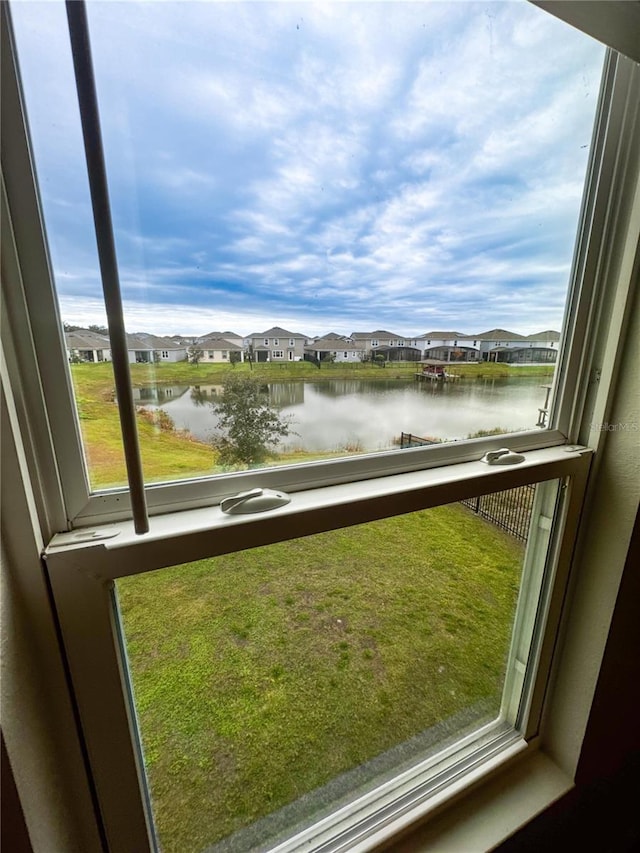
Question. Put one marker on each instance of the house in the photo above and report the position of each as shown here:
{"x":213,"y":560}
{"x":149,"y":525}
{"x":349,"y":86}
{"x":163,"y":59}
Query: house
{"x":389,"y":345}
{"x":276,"y":344}
{"x":145,"y":348}
{"x":335,"y":348}
{"x":501,"y":345}
{"x":232,"y":337}
{"x":85,"y":345}
{"x":218,"y":350}
{"x":448,"y":346}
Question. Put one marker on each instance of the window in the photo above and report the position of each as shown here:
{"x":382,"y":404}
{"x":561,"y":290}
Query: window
{"x":277,"y":353}
{"x":330,"y":499}
{"x":248,"y":293}
{"x":292,"y":342}
{"x":225,"y":353}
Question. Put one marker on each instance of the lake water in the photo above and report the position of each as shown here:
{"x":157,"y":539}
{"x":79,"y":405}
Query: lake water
{"x":368,"y":415}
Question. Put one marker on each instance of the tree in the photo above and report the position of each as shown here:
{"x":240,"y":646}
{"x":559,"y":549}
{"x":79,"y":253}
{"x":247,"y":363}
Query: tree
{"x":234,"y":357}
{"x":195,"y":354}
{"x":250,"y":425}
{"x":101,"y":330}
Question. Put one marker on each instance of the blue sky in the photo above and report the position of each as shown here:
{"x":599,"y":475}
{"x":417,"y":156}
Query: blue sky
{"x":323,"y":167}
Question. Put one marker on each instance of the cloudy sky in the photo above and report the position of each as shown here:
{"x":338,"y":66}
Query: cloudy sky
{"x":323,"y":167}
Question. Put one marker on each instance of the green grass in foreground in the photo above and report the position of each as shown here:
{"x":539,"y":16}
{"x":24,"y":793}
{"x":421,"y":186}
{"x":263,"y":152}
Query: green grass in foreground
{"x":263,"y":674}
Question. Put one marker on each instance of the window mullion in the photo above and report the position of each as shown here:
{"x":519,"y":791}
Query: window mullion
{"x":31,"y":316}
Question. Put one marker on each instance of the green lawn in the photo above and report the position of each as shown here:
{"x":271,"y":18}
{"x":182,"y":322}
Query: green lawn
{"x":263,"y":674}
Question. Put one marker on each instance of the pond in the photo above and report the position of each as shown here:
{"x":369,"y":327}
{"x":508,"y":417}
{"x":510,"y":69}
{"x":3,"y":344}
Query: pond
{"x":361,"y":415}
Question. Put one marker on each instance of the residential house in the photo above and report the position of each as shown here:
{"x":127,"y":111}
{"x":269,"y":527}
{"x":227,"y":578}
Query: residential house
{"x":145,"y":348}
{"x":449,"y":346}
{"x":232,"y":337}
{"x":501,"y":345}
{"x":541,"y":348}
{"x":333,"y":347}
{"x":85,"y":345}
{"x":391,"y":346}
{"x":276,"y":344}
{"x":218,"y":350}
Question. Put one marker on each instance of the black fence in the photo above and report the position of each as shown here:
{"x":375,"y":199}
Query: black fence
{"x":510,"y":510}
{"x":407,"y":439}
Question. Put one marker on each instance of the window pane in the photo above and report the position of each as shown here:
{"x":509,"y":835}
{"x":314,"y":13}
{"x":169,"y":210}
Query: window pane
{"x":321,"y":196}
{"x":319,"y":667}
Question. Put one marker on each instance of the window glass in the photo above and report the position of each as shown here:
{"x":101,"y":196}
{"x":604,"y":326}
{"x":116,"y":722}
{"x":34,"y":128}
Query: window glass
{"x":304,"y":172}
{"x":273,"y":684}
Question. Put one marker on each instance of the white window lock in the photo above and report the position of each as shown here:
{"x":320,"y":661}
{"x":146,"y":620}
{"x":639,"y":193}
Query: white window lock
{"x":504,"y":456}
{"x":255,"y":500}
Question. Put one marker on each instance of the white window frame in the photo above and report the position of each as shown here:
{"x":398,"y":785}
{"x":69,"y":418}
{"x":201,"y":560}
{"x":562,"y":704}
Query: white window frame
{"x":277,"y":354}
{"x":82,"y":579}
{"x":595,"y":309}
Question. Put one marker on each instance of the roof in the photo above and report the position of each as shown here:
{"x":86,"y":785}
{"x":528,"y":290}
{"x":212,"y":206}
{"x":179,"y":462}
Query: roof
{"x":217,"y":336}
{"x":548,"y":335}
{"x":145,"y":340}
{"x":322,"y":345}
{"x":442,"y":336}
{"x":86,"y":339}
{"x":331,"y":336}
{"x":379,"y":333}
{"x":182,"y":339}
{"x":499,"y":335}
{"x":277,"y":332}
{"x":218,"y":343}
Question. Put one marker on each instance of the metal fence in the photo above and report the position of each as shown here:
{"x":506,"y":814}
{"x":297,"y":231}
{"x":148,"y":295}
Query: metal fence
{"x":510,"y":510}
{"x":407,"y":439}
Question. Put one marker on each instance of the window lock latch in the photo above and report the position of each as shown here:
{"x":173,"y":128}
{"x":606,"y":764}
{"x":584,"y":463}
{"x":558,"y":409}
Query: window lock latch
{"x":504,"y":456}
{"x":255,"y":500}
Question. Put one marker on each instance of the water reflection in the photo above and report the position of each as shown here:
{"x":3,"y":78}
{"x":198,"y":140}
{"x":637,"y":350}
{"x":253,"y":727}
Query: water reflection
{"x":368,"y":415}
{"x":158,"y":395}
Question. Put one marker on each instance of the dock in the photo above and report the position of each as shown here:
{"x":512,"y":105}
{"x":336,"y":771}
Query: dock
{"x":436,"y":373}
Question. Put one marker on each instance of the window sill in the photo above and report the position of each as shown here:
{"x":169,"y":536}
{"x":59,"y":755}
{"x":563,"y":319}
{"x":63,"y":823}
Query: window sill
{"x":205,"y":532}
{"x":492,"y":811}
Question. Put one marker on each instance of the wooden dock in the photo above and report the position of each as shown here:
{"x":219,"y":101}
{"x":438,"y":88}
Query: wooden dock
{"x":436,"y":375}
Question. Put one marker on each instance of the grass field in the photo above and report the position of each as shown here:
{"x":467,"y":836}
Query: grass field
{"x":297,"y":661}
